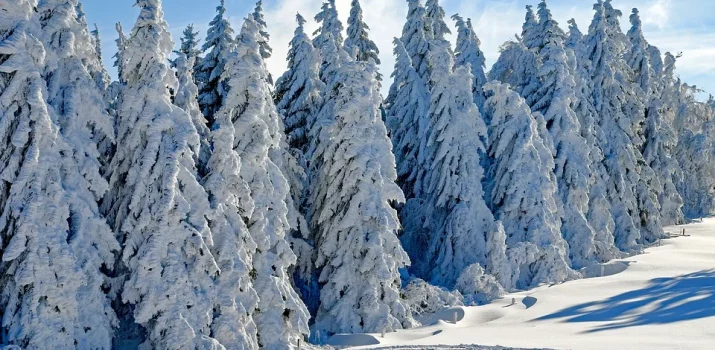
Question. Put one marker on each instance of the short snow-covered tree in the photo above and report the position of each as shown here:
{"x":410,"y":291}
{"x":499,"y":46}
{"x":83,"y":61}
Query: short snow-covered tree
{"x":521,"y":191}
{"x":355,"y":225}
{"x":281,"y":317}
{"x":155,"y":203}
{"x":517,"y":66}
{"x":209,"y":72}
{"x":468,"y":51}
{"x":461,"y":230}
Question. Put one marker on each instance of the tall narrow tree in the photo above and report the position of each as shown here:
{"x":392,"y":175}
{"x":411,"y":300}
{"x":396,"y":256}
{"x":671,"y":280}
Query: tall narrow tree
{"x":51,"y":288}
{"x":522,"y":192}
{"x":155,"y":203}
{"x":434,"y":14}
{"x":281,"y":317}
{"x":79,"y":109}
{"x":416,"y":34}
{"x":355,"y":226}
{"x":553,"y":98}
{"x":462,"y":229}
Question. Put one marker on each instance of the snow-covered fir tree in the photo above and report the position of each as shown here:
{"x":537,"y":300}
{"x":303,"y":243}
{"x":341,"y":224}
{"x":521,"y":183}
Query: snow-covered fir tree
{"x":79,"y":109}
{"x":468,"y":51}
{"x":155,"y":204}
{"x":599,"y":212}
{"x":190,"y":43}
{"x":95,"y":63}
{"x":553,"y":99}
{"x":620,"y":114}
{"x":281,"y":317}
{"x":53,"y":245}
{"x":461,"y":230}
{"x":530,"y":30}
{"x":234,"y":247}
{"x":297,"y":93}
{"x":209,"y":72}
{"x":434,"y":14}
{"x":638,"y":57}
{"x":121,"y":42}
{"x":328,"y":39}
{"x":186,"y":98}
{"x":266,"y":50}
{"x":517,"y":66}
{"x":298,"y":100}
{"x":416,"y":34}
{"x":358,"y":42}
{"x":407,"y":121}
{"x":521,"y":191}
{"x":355,"y":225}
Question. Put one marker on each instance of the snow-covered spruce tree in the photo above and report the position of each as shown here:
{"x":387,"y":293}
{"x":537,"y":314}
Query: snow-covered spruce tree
{"x":658,"y":152}
{"x":297,"y":93}
{"x":328,"y":38}
{"x":52,"y":250}
{"x":266,"y":50}
{"x":553,"y":98}
{"x":620,"y":113}
{"x":298,"y":100}
{"x":190,"y":43}
{"x":186,"y":98}
{"x":77,"y":106}
{"x":95,"y":64}
{"x":119,"y":61}
{"x":517,"y":66}
{"x":521,"y":191}
{"x":407,"y":121}
{"x":434,"y":14}
{"x":416,"y":34}
{"x":468,"y":52}
{"x":638,"y":58}
{"x":233,"y":248}
{"x":461,"y":228}
{"x":358,"y":41}
{"x":530,"y":30}
{"x":155,"y":204}
{"x":695,"y":154}
{"x":209,"y":72}
{"x":281,"y":317}
{"x":599,"y":208}
{"x":355,"y":225}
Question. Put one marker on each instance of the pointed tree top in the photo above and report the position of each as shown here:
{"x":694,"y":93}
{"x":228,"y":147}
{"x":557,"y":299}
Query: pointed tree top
{"x":300,"y":19}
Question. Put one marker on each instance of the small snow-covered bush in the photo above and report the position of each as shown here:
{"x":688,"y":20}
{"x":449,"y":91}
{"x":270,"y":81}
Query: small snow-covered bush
{"x":423,"y":297}
{"x":477,"y":287}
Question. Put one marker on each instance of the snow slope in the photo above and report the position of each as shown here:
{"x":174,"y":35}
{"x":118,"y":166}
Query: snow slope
{"x":662,"y":299}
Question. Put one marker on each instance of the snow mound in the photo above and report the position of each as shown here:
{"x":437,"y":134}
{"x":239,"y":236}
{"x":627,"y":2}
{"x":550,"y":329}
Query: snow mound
{"x":603,"y":270}
{"x":350,"y":340}
{"x":450,"y":315}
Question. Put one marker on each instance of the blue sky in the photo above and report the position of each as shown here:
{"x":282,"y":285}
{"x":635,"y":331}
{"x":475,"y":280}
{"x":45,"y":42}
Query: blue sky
{"x":686,"y":26}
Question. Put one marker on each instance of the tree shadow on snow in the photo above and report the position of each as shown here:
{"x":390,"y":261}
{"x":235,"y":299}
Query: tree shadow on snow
{"x":664,"y":301}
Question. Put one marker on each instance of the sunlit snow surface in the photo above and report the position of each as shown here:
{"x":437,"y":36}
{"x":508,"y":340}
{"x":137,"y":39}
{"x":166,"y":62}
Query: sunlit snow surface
{"x":662,"y":299}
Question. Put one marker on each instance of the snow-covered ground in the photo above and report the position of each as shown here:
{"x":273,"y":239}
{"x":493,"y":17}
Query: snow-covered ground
{"x":662,"y":299}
